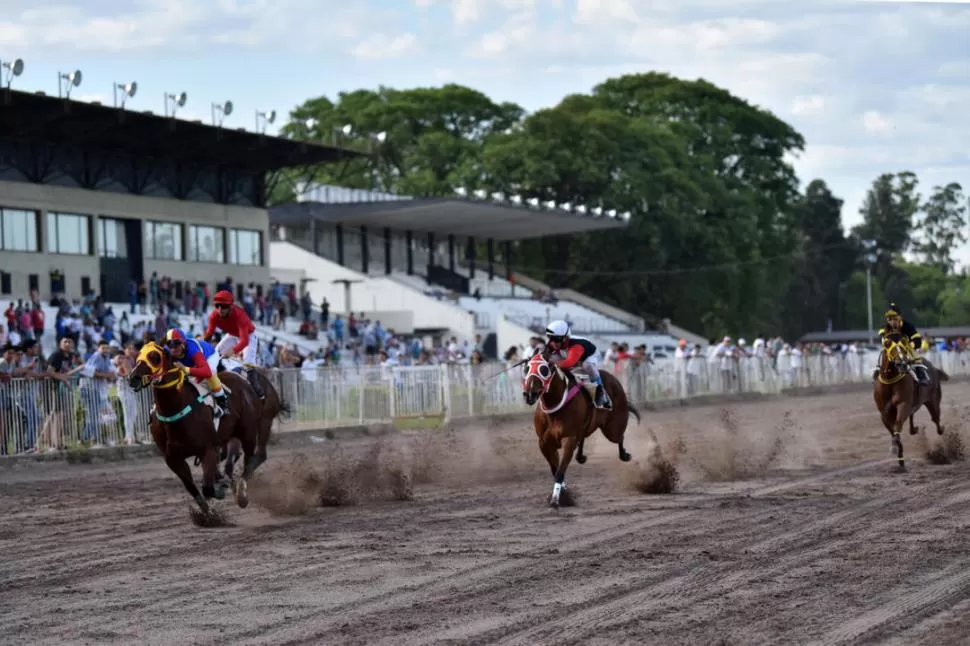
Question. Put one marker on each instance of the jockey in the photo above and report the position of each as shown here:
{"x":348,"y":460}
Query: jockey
{"x":911,"y":336}
{"x":579,"y":352}
{"x":199,"y":360}
{"x":239,"y":334}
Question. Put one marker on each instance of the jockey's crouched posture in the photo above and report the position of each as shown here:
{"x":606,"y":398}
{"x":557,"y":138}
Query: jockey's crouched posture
{"x":575,"y":351}
{"x":199,"y":360}
{"x":896,"y":325}
{"x":239,"y":336}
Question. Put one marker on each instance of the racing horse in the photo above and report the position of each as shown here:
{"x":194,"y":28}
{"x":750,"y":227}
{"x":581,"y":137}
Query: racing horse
{"x":183,"y":426}
{"x":898,"y":395}
{"x":272,"y":407}
{"x":565,"y":415}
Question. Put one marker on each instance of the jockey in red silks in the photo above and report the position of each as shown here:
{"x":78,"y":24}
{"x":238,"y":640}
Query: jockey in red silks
{"x":239,"y":338}
{"x":575,"y":351}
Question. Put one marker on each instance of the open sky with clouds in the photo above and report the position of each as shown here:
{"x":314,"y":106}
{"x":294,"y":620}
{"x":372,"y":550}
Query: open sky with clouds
{"x":873,"y":86}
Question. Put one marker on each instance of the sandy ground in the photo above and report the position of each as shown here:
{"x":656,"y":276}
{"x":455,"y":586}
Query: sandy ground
{"x":787,"y":527}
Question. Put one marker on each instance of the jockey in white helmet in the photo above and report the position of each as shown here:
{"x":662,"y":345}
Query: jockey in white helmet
{"x":575,"y":351}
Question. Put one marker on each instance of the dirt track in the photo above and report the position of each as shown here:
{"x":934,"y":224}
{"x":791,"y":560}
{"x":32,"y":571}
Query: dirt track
{"x":787,"y":528}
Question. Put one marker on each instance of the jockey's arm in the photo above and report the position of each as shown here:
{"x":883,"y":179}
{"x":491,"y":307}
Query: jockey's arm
{"x":573,"y":355}
{"x":200,"y":367}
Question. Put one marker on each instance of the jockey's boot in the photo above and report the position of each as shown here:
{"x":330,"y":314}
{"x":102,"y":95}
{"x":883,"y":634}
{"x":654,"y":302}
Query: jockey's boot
{"x":222,"y":402}
{"x":253,"y":377}
{"x":602,"y":400}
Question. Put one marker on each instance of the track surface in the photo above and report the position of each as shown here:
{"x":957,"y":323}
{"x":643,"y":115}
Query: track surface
{"x":816,"y":543}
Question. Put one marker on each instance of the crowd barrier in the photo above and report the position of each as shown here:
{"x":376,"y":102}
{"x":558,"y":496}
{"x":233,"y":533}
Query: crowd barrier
{"x":46,"y":414}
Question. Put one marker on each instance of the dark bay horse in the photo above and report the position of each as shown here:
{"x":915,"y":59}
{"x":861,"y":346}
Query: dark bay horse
{"x":565,"y":416}
{"x":271,"y":407}
{"x":898,"y":395}
{"x":182,"y":425}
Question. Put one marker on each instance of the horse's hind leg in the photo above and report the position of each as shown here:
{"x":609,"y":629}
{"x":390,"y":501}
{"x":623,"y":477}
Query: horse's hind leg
{"x":234,"y":451}
{"x":184,"y":473}
{"x":580,"y":456}
{"x":934,"y":408}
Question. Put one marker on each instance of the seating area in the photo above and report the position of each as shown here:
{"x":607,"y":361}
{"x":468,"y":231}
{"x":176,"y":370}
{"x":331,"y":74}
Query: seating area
{"x":535,"y":314}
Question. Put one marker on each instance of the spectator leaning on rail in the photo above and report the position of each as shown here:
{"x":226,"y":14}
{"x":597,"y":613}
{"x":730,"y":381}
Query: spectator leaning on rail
{"x":239,"y":338}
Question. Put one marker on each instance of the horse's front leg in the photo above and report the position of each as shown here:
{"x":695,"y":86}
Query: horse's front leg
{"x":904,"y":411}
{"x":184,"y":473}
{"x":568,"y":449}
{"x":210,"y":469}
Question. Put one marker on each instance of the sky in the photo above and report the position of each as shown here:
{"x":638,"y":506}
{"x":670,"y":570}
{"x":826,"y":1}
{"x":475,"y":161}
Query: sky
{"x":873,"y":86}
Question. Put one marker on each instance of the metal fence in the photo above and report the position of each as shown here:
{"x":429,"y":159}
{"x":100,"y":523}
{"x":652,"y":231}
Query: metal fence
{"x":47,"y":414}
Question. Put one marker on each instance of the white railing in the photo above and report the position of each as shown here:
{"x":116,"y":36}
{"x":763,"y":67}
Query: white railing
{"x":47,"y":414}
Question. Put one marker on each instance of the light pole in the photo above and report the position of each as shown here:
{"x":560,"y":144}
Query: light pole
{"x":870,"y":259}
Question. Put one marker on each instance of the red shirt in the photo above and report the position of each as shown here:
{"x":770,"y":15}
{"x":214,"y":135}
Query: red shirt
{"x":236,"y":323}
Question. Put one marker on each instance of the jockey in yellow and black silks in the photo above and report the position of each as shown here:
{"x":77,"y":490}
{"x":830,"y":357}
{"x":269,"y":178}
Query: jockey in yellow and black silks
{"x":896,"y":325}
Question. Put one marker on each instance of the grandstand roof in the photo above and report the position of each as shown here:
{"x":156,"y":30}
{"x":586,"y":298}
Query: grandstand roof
{"x":32,"y":117}
{"x":460,"y":217}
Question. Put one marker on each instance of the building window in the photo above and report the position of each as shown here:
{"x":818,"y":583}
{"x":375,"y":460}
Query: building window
{"x":207,"y":244}
{"x":18,"y":230}
{"x":68,"y":233}
{"x":245,"y":247}
{"x":111,"y":239}
{"x":163,"y":241}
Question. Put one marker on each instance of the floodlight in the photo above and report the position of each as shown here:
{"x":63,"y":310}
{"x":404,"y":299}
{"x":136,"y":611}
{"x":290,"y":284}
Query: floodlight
{"x":461,"y":191}
{"x":14,"y":68}
{"x":551,"y":205}
{"x":581,"y":209}
{"x":128,"y":90}
{"x":67,"y":82}
{"x":220,"y":111}
{"x":498,"y":197}
{"x":625,"y":216}
{"x":380,"y":137}
{"x":347,"y":130}
{"x":310,"y":123}
{"x":611,"y":213}
{"x":266,"y":118}
{"x":177,"y":101}
{"x":481,"y":194}
{"x":516,"y":199}
{"x":597,"y":211}
{"x":534,"y":202}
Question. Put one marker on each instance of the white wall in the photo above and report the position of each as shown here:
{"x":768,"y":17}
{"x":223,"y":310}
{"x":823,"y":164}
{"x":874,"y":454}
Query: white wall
{"x":508,"y":334}
{"x":379,"y":294}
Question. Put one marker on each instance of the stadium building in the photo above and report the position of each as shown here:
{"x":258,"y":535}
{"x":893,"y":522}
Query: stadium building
{"x":93,"y":197}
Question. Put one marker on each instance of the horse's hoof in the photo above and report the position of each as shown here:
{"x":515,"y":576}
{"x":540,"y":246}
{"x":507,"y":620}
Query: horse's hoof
{"x":939,"y":430}
{"x":915,"y":430}
{"x":900,"y":468}
{"x":581,"y":459}
{"x":625,"y":456}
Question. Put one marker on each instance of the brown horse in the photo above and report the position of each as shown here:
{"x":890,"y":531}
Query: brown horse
{"x":898,"y":395}
{"x":183,"y":426}
{"x":272,"y":407}
{"x":566,"y":416}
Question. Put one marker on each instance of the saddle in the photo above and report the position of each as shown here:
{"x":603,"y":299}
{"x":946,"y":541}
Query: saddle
{"x":583,"y":380}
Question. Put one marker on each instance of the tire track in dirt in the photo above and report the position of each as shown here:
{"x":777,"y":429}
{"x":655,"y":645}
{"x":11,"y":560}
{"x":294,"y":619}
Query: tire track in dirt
{"x":694,"y":583}
{"x":946,"y":589}
{"x":502,"y":572}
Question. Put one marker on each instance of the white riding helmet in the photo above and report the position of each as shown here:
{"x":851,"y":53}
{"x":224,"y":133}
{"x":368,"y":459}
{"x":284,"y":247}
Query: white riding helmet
{"x":557,"y":330}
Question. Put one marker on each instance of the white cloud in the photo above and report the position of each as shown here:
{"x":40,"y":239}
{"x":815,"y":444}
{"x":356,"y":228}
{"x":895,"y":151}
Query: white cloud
{"x":808,"y":105}
{"x":464,"y":12}
{"x":875,"y":123}
{"x":379,"y":47}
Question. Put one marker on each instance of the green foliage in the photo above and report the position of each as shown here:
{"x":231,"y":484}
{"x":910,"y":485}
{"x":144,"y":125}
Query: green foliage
{"x":720,"y":239}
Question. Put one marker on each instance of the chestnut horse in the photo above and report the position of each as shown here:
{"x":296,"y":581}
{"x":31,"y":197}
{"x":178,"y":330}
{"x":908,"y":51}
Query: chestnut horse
{"x":898,"y":395}
{"x":565,"y":415}
{"x":183,"y":426}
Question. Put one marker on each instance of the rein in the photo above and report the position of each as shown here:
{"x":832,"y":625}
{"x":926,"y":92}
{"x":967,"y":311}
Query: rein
{"x":901,"y":372}
{"x":567,"y":394}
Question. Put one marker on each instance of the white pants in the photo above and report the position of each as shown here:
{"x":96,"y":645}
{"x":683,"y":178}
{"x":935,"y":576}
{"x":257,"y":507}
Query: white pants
{"x":591,"y":366}
{"x":249,"y":353}
{"x":213,"y":362}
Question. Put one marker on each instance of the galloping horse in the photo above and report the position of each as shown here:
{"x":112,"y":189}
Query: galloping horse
{"x":271,"y":406}
{"x":566,"y":416}
{"x":898,"y":396}
{"x":183,"y":426}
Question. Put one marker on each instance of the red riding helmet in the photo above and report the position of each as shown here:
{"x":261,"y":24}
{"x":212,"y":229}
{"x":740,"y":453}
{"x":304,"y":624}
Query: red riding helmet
{"x":223,"y":297}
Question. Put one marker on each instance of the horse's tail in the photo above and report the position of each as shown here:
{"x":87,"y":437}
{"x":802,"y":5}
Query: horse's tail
{"x":285,"y":410}
{"x":634,"y":411}
{"x":943,"y":376}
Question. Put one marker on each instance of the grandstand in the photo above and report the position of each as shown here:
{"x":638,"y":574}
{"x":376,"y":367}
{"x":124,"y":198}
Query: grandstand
{"x":417,"y":262}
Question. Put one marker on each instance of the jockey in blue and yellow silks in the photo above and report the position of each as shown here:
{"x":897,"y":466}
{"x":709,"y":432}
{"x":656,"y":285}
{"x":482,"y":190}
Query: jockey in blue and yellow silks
{"x":912,"y":339}
{"x":199,"y":360}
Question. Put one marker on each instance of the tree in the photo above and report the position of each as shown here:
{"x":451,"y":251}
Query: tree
{"x":942,"y":227}
{"x":429,"y":134}
{"x":887,"y":216}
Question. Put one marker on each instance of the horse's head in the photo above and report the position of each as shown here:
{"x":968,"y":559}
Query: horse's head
{"x":895,"y":354}
{"x":538,"y":374}
{"x":152,"y":365}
